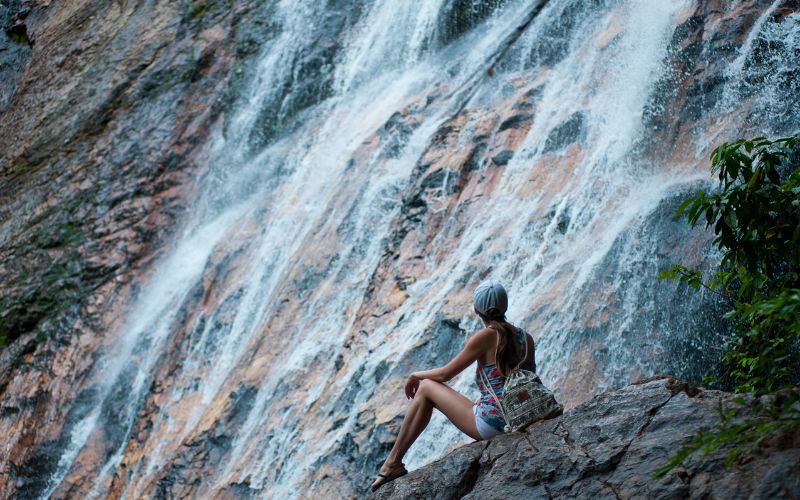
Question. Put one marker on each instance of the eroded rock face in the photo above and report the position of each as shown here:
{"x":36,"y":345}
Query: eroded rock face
{"x":104,"y":124}
{"x":107,"y":126}
{"x":608,"y":447}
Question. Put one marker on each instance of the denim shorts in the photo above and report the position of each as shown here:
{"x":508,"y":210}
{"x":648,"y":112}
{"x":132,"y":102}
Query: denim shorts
{"x":485,"y":430}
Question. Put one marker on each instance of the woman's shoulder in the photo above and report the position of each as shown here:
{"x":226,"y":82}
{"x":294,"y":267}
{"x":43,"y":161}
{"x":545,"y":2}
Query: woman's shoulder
{"x":483,"y":339}
{"x":484,"y":334}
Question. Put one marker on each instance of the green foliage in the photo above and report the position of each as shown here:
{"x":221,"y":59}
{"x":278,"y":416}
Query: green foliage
{"x":688,"y":276}
{"x":755,"y":214}
{"x":196,"y":9}
{"x":763,"y":355}
{"x":199,"y":8}
{"x":756,"y":219}
{"x":19,"y":168}
{"x":18,"y":34}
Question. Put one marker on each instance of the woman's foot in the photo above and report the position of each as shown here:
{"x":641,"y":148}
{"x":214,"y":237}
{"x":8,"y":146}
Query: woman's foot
{"x":389,"y":472}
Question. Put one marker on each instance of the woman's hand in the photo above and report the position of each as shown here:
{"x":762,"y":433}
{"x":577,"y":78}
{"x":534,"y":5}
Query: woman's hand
{"x":412,"y":385}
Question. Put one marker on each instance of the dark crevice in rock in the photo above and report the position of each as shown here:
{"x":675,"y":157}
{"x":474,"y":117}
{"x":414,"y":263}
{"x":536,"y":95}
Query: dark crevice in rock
{"x":16,"y":45}
{"x":611,"y":487}
{"x":19,"y":34}
{"x":474,"y":160}
{"x":570,"y":131}
{"x":473,"y":473}
{"x":460,"y":16}
{"x":502,"y":158}
{"x":499,"y":55}
{"x":488,"y":465}
{"x":516,"y":121}
{"x":611,"y":464}
{"x":527,"y":438}
{"x":652,"y":413}
{"x":569,"y":442}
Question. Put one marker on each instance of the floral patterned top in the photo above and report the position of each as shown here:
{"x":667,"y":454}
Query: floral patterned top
{"x":487,"y":408}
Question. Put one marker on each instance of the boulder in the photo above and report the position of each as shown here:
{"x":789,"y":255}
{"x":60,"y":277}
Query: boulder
{"x":609,"y":447}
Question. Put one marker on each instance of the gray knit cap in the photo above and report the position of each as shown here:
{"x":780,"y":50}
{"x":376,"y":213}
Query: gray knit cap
{"x":490,"y":294}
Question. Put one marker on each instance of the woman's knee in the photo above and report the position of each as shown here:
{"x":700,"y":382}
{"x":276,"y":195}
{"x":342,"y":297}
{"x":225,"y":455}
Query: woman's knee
{"x":425,"y":387}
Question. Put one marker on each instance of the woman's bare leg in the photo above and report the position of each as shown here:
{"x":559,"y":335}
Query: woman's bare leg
{"x":430,"y":395}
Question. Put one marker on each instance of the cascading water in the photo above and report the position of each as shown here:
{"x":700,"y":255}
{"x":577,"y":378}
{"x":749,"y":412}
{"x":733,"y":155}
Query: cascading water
{"x":341,"y":233}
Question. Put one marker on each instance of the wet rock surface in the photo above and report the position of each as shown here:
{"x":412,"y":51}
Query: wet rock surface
{"x":608,"y":447}
{"x":104,"y":122}
{"x":15,"y":44}
{"x":106,"y":113}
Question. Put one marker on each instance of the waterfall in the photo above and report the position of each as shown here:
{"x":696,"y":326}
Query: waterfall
{"x":262,"y":337}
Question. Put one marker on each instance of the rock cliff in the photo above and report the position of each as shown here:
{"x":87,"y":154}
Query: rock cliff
{"x":105,"y":116}
{"x":608,"y":447}
{"x":229,"y":228}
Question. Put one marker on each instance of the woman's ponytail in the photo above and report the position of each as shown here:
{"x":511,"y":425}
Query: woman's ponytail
{"x":508,"y":353}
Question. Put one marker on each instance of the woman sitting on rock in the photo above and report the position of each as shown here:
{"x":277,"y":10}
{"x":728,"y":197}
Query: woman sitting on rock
{"x":498,"y":348}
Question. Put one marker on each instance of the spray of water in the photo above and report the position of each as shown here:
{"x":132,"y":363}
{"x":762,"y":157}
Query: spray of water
{"x":311,"y":213}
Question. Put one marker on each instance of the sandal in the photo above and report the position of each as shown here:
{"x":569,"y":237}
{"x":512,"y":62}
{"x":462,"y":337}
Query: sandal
{"x":390,"y":477}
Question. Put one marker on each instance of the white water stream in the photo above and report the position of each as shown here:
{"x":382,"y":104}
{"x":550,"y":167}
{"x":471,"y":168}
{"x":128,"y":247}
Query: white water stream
{"x":276,"y":207}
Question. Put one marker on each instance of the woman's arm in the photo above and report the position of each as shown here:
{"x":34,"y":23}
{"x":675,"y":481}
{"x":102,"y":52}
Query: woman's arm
{"x":476,"y":346}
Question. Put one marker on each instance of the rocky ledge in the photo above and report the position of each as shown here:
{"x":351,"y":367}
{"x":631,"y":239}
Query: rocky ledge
{"x":609,"y":447}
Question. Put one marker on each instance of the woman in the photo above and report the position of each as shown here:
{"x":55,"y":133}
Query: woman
{"x":498,"y":348}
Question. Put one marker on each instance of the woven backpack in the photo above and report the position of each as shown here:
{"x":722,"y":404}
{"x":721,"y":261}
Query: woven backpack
{"x":525,"y":399}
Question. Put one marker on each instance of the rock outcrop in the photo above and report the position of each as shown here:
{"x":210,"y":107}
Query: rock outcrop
{"x":609,"y":447}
